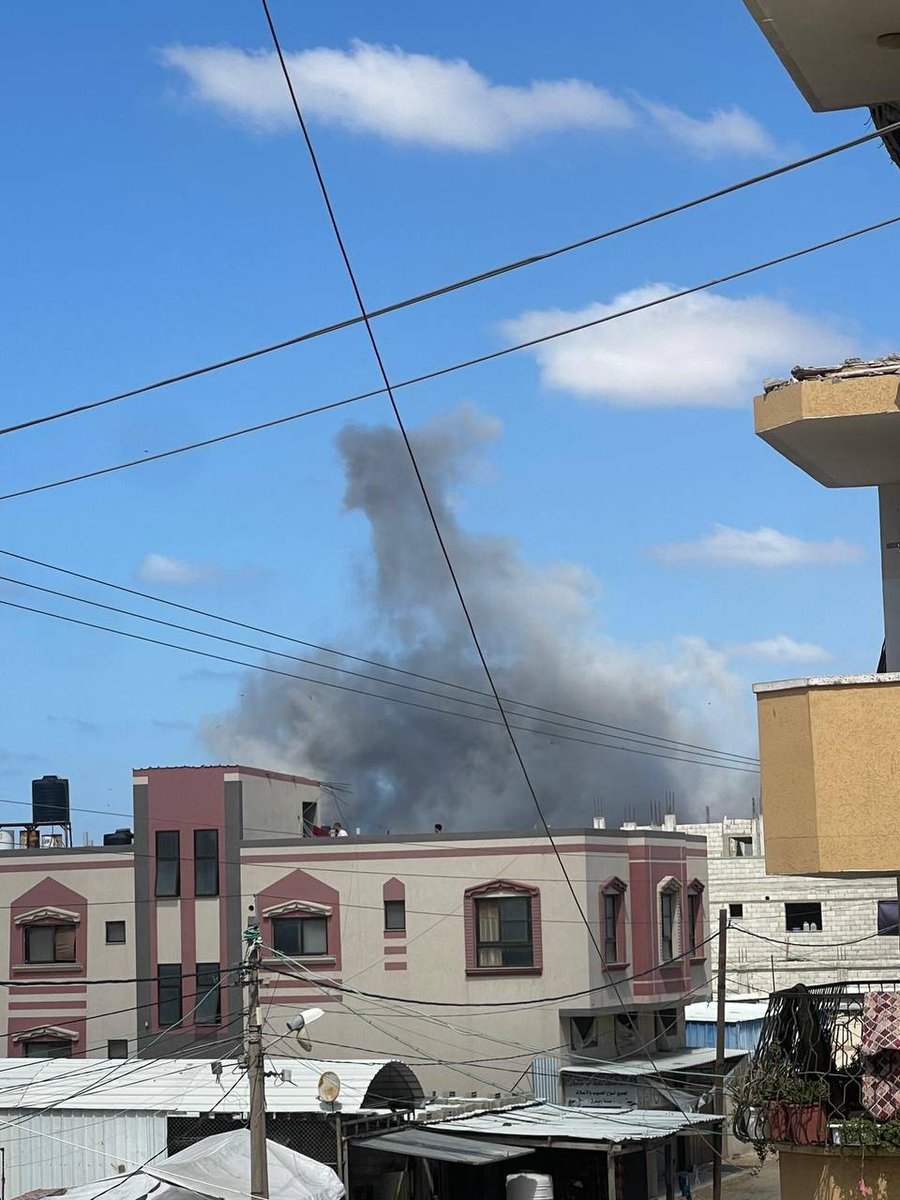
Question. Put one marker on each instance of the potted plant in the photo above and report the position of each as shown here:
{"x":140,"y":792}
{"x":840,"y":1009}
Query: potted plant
{"x":782,"y":1106}
{"x":868,"y":1133}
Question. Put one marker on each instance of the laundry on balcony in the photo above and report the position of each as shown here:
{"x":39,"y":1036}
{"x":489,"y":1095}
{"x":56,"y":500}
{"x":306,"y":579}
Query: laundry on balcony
{"x":879,"y":1049}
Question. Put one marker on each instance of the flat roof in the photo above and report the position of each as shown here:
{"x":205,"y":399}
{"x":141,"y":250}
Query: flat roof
{"x":822,"y":681}
{"x":259,"y":771}
{"x":625,"y":835}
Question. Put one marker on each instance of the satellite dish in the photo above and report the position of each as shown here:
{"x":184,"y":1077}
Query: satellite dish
{"x":299,"y":1025}
{"x":329,"y":1087}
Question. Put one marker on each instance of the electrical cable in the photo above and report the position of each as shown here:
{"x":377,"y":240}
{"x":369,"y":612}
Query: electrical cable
{"x":694,"y":756}
{"x":426,"y":498}
{"x":812,"y":946}
{"x":440,"y":372}
{"x":334,"y":985}
{"x":458,"y":285}
{"x":654,"y":738}
{"x":557,"y":736}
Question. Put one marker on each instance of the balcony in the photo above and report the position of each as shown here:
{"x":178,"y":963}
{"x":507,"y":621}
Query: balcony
{"x":830,"y":764}
{"x":824,"y":1090}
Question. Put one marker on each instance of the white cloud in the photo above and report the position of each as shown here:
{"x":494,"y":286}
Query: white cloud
{"x":176,"y":572}
{"x":428,"y":101}
{"x":725,"y":131}
{"x":780,"y":648}
{"x":703,"y":349}
{"x":766,"y":548}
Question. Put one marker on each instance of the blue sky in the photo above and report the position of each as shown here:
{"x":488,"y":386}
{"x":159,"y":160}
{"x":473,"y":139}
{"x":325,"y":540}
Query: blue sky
{"x":161,"y":213}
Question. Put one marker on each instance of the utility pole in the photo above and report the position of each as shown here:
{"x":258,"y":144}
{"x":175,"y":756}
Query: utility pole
{"x":719,"y":1093}
{"x":256,"y":1069}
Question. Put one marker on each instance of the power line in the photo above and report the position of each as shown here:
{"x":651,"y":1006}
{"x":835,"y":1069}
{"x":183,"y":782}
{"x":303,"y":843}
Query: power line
{"x":457,"y":285}
{"x":691,"y":756}
{"x":426,"y":499}
{"x":556,"y":736}
{"x":655,"y":738}
{"x":440,"y":372}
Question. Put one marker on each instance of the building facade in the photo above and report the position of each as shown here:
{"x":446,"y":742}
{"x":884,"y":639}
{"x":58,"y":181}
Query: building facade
{"x":793,"y":922}
{"x":465,"y":950}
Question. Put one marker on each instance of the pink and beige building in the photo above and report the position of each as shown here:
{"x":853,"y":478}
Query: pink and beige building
{"x":480,"y":930}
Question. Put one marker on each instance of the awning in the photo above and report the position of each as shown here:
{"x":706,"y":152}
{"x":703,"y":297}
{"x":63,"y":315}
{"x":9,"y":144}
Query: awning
{"x":447,"y":1147}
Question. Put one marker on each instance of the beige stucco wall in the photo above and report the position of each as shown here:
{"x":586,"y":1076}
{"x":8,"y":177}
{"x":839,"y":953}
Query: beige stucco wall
{"x":830,"y":765}
{"x":273,"y":806}
{"x":106,"y":880}
{"x":491,"y":1049}
{"x":835,"y":1174}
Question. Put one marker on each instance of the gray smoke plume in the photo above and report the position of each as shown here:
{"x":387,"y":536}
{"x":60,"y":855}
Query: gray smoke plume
{"x":409,"y":768}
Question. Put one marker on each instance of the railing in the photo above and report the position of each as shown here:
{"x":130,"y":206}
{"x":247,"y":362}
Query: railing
{"x":814,"y":1078}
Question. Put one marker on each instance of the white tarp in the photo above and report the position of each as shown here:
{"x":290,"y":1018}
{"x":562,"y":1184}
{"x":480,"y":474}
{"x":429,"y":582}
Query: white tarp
{"x":219,"y":1167}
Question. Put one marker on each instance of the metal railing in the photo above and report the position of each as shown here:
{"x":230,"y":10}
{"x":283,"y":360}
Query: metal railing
{"x":810,"y":1078}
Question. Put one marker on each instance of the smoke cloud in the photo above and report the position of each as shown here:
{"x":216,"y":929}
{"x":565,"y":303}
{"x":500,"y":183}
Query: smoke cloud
{"x":408,"y":768}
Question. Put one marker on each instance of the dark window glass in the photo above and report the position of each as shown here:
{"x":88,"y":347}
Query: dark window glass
{"x":803,"y":914}
{"x":667,"y":925}
{"x":611,"y":902}
{"x":49,"y":944}
{"x":395,"y":914}
{"x":735,"y":910}
{"x":503,"y":934}
{"x":887,"y":917}
{"x":117,"y":1048}
{"x":693,"y":919}
{"x":168,"y":862}
{"x":48,"y":1049}
{"x":300,"y":936}
{"x":583,"y":1033}
{"x":169,"y":999}
{"x":209,"y":995}
{"x":206,"y":862}
{"x":115,"y":933}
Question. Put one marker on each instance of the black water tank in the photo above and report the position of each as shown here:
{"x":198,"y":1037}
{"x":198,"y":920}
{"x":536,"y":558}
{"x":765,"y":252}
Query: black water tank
{"x":50,"y":801}
{"x":121,"y":837}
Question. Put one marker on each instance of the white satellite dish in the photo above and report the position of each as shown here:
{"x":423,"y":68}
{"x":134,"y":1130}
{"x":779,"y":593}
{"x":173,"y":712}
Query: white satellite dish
{"x":329,"y":1087}
{"x":298,"y":1025}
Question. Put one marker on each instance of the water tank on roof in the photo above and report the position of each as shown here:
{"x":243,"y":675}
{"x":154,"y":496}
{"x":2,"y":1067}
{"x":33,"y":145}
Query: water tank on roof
{"x":529,"y":1186}
{"x":50,"y":801}
{"x":121,"y":837}
{"x":7,"y":839}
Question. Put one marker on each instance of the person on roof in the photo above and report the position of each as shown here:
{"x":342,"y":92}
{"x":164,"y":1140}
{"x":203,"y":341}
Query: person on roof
{"x":337,"y":830}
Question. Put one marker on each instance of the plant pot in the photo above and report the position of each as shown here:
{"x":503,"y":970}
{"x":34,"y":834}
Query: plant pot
{"x":757,"y":1125}
{"x":800,"y":1124}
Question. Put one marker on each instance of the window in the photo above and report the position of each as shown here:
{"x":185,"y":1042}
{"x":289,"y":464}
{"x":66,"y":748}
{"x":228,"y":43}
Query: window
{"x":395,"y":914}
{"x":741,"y":847}
{"x":887,"y":917}
{"x":117,"y":1048}
{"x":168,"y":862}
{"x":300,"y":936}
{"x":735,"y":910}
{"x":206,"y":862}
{"x":666,"y":1020}
{"x":48,"y":1049}
{"x":626,"y":1032}
{"x":667,"y":903}
{"x":169,"y":998}
{"x":804,"y":916}
{"x":583,"y":1033}
{"x":611,"y":903}
{"x":503,"y":935}
{"x":209,"y":995}
{"x":50,"y":944}
{"x":695,"y":900}
{"x":115,"y":933}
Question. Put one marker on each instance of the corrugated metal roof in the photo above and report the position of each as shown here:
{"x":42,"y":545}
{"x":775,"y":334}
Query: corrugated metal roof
{"x":180,"y":1085}
{"x":549,"y":1121}
{"x":685,"y":1060}
{"x":735,"y":1011}
{"x":446,"y":1147}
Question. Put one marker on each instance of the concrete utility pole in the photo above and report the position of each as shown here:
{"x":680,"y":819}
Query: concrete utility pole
{"x":719,"y":1095}
{"x":256,"y":1069}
